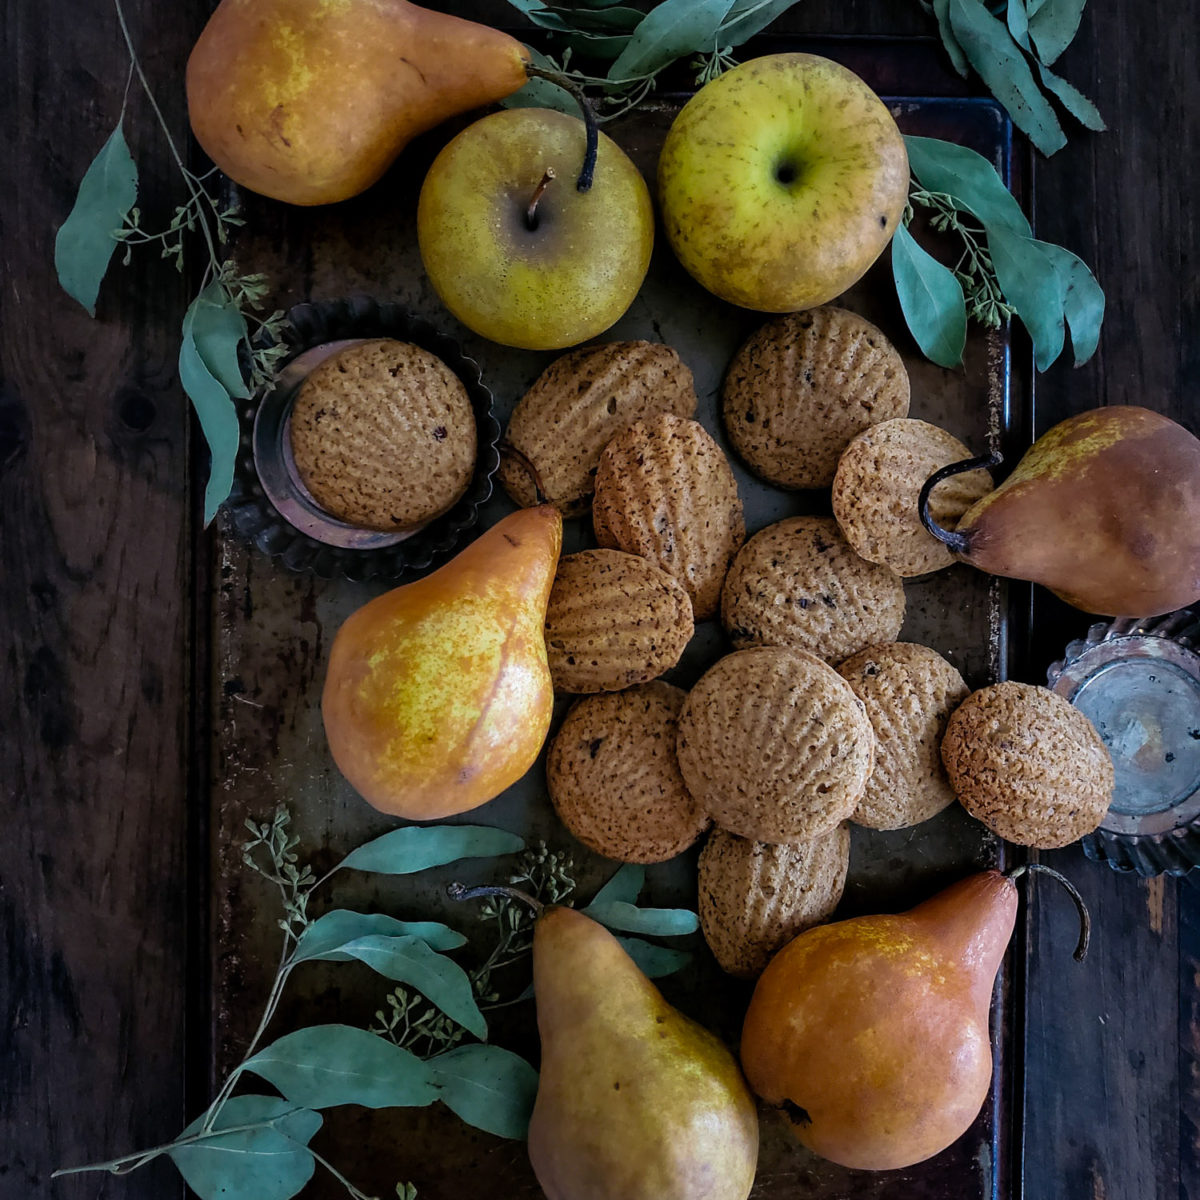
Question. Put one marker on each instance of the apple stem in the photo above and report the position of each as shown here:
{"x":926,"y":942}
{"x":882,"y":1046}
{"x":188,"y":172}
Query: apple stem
{"x":958,"y":543}
{"x":531,"y":221}
{"x":1085,"y":920}
{"x":459,"y":891}
{"x":584,"y":182}
{"x":508,"y":450}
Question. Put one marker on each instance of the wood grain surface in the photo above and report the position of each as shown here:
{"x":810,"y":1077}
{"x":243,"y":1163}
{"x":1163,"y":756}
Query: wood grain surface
{"x":106,"y":597}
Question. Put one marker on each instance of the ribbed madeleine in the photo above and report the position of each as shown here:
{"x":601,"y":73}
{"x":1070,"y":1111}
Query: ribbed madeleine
{"x":774,"y":745}
{"x":755,"y":897}
{"x":614,"y":620}
{"x":576,"y":406}
{"x":664,"y":490}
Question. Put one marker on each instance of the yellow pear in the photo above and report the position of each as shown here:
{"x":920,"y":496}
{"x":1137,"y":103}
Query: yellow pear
{"x":635,"y":1100}
{"x":438,"y":693}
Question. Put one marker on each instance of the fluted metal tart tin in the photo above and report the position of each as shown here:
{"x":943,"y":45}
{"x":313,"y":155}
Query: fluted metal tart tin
{"x":270,"y":506}
{"x":1139,"y":684}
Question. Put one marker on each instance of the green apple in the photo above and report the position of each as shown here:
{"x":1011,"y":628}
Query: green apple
{"x":512,"y":246}
{"x":781,"y":182}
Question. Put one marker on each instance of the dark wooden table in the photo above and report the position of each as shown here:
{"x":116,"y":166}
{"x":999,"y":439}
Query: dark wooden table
{"x":108,"y":761}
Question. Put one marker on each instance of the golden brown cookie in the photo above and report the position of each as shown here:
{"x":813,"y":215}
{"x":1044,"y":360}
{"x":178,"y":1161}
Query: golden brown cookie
{"x":573,"y":410}
{"x":614,"y":620}
{"x":910,"y":692}
{"x":798,"y":583}
{"x":383,"y":435}
{"x":774,"y":745}
{"x":614,"y":780}
{"x":879,"y":478}
{"x":755,"y":897}
{"x":803,"y":386}
{"x":1028,"y":765}
{"x":664,"y":490}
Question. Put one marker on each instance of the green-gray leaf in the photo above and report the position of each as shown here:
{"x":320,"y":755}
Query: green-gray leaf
{"x":626,"y":884}
{"x":325,"y":937}
{"x":419,"y":847}
{"x":670,"y":30}
{"x":541,"y":93}
{"x":85,"y":242}
{"x":658,"y":922}
{"x":218,"y":328}
{"x":1073,"y":100}
{"x":968,"y":177}
{"x":607,"y":19}
{"x":941,"y":10}
{"x":748,"y":17}
{"x":1018,"y":23}
{"x":1053,"y":25}
{"x":655,"y":961}
{"x":439,"y":979}
{"x":268,"y":1161}
{"x":216,"y":411}
{"x":931,"y":299}
{"x":488,"y":1087}
{"x":991,"y":51}
{"x":1032,"y":285}
{"x":1083,"y":304}
{"x":325,"y":1065}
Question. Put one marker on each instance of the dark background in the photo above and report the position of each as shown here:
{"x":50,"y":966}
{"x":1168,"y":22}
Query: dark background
{"x":104,"y":596}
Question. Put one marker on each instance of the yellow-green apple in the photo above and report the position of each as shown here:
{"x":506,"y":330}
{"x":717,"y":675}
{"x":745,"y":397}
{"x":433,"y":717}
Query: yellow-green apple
{"x":781,"y":182}
{"x":512,"y":246}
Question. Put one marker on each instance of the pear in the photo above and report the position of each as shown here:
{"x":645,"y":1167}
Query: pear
{"x":438,"y":693}
{"x":635,"y":1101}
{"x":872,"y":1034}
{"x":309,"y":102}
{"x":1103,"y":509}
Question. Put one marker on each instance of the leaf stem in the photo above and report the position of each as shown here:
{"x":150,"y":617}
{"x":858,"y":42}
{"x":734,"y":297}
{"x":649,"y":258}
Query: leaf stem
{"x":355,"y":1193}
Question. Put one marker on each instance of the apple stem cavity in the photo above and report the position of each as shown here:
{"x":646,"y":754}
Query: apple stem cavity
{"x":508,"y":450}
{"x":459,"y":891}
{"x":958,"y":543}
{"x":531,"y":221}
{"x":1085,"y":920}
{"x":592,"y":130}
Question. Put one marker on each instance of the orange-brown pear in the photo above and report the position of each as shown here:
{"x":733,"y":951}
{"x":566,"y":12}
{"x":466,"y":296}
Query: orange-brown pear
{"x":310,"y":102}
{"x":438,"y":693}
{"x":872,"y":1034}
{"x":1103,"y":509}
{"x":635,"y":1101}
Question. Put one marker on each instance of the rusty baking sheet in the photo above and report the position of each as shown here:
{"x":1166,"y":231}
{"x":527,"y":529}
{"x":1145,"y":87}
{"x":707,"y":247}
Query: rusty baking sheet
{"x":272,"y":631}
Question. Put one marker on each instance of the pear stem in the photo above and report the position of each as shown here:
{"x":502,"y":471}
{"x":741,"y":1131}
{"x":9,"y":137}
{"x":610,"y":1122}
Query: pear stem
{"x":592,"y":130}
{"x":958,"y":543}
{"x":531,"y":221}
{"x":459,"y":891}
{"x":508,"y":450}
{"x":1085,"y":920}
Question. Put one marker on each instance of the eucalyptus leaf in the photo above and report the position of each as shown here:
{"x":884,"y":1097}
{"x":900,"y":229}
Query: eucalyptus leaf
{"x":1053,"y":25}
{"x":625,"y":884}
{"x":85,"y":242}
{"x":268,"y":1160}
{"x":990,"y":49}
{"x":941,"y":10}
{"x":1031,"y":283}
{"x":749,"y":17}
{"x":931,"y":299}
{"x":439,"y":979}
{"x":419,"y":847}
{"x":537,"y":12}
{"x":488,"y":1087}
{"x":671,"y":30}
{"x":321,"y":1066}
{"x":219,"y":328}
{"x":658,"y":922}
{"x":1083,"y":304}
{"x":327,"y":935}
{"x":1018,"y":23}
{"x":598,"y":46}
{"x":609,"y":19}
{"x":1072,"y":99}
{"x":655,"y":961}
{"x":973,"y":183}
{"x":541,"y":93}
{"x":216,"y":412}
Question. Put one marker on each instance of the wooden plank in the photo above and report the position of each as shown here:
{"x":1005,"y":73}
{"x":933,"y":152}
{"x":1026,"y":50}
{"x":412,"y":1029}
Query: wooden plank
{"x":95,"y":677}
